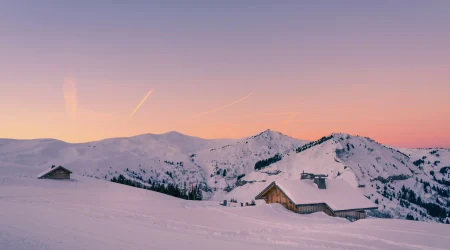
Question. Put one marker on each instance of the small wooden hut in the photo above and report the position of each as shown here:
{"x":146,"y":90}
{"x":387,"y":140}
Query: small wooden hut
{"x":309,"y":195}
{"x":57,"y":173}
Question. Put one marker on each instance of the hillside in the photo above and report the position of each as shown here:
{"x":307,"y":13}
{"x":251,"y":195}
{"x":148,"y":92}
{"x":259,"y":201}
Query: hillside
{"x":385,"y":175}
{"x":239,"y":169}
{"x":167,"y":158}
{"x":434,"y":162}
{"x":224,"y":164}
{"x":86,"y":213}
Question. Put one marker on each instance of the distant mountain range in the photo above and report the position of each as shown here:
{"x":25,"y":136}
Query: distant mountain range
{"x":406,"y":183}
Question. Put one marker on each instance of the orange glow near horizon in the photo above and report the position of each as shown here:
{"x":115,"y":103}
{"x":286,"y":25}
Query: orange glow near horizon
{"x":311,"y":70}
{"x":312,"y":120}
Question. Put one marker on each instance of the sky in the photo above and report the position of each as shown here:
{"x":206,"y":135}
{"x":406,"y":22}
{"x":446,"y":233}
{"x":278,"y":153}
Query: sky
{"x":82,"y":71}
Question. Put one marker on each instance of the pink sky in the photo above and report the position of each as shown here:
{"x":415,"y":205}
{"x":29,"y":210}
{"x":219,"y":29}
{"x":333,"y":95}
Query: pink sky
{"x":377,"y":70}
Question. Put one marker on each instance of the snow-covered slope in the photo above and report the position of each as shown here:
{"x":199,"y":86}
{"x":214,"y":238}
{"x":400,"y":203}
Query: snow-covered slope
{"x":385,"y":175}
{"x":167,"y":158}
{"x":224,"y":164}
{"x":147,"y":156}
{"x":86,"y":213}
{"x":240,"y":169}
{"x":435,"y":162}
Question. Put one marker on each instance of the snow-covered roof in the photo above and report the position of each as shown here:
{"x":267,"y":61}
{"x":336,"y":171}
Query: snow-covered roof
{"x":338,"y":195}
{"x":51,"y":170}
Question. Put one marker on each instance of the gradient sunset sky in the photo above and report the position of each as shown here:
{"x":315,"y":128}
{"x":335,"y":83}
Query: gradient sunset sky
{"x":80,"y":71}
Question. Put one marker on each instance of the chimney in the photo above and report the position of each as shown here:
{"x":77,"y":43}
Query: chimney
{"x":320,"y":181}
{"x":306,"y":176}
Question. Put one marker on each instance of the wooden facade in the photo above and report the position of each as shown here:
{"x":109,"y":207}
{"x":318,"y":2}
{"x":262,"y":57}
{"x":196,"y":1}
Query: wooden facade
{"x":312,"y":208}
{"x":58,"y":173}
{"x":276,"y":195}
{"x":352,"y":214}
{"x":273,"y":194}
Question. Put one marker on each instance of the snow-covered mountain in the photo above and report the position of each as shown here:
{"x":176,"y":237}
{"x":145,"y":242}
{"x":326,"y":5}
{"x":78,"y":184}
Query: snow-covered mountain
{"x":225,"y":164}
{"x":167,"y":158}
{"x":146,"y":156}
{"x":434,"y":162}
{"x":402,"y":185}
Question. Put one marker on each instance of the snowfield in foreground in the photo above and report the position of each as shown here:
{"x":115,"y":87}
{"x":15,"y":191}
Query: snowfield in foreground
{"x":87,"y":213}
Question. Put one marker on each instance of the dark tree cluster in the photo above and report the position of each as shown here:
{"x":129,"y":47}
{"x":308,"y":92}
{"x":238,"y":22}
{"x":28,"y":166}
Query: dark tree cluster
{"x":410,"y":217}
{"x":169,"y":174}
{"x":444,"y":170}
{"x":418,"y":162}
{"x":314,"y":143}
{"x":192,"y":193}
{"x":443,"y":182}
{"x":434,"y":210}
{"x":264,"y":163}
{"x":173,"y":164}
{"x":441,"y":191}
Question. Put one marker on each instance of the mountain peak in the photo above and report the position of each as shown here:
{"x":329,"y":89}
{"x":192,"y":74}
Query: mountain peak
{"x":174,"y":133}
{"x":271,"y":132}
{"x":339,"y":134}
{"x":274,"y":136}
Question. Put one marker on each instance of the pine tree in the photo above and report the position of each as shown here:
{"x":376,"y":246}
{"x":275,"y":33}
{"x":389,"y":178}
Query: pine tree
{"x":410,"y":217}
{"x":264,"y":163}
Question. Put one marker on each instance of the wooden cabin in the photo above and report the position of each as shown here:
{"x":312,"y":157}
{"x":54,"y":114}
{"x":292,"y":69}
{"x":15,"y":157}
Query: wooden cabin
{"x":57,"y":173}
{"x":304,"y":196}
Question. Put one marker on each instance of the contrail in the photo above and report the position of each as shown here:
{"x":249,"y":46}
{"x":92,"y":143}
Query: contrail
{"x":289,"y":119}
{"x":222,"y":107}
{"x":268,"y":114}
{"x":140,"y":104}
{"x":70,"y":96}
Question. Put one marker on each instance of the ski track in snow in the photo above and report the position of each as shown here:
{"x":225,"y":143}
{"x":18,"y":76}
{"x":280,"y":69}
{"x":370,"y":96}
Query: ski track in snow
{"x":276,"y":229}
{"x":320,"y":229}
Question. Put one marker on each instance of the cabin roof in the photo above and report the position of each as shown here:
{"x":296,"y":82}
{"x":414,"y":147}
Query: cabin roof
{"x":49,"y":170}
{"x":339,"y":195}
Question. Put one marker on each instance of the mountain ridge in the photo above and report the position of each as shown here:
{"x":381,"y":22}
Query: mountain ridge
{"x":233,"y":167}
